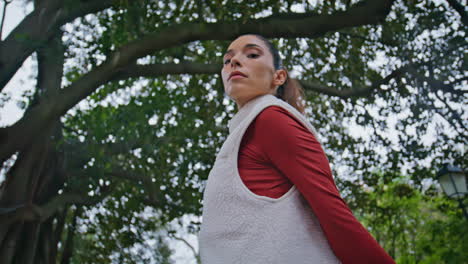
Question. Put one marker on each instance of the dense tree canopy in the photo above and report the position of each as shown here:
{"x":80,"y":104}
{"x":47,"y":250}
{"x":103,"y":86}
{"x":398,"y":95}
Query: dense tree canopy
{"x":128,"y":111}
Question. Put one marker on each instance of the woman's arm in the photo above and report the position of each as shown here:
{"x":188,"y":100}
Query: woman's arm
{"x":294,"y":151}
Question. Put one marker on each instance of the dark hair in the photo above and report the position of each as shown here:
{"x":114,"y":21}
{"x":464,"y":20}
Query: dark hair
{"x":291,"y":90}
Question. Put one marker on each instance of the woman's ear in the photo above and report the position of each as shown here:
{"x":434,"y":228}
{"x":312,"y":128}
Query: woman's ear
{"x":280,"y":77}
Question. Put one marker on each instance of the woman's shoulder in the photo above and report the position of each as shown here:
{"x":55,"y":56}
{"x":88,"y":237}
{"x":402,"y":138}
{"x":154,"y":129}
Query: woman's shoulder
{"x":278,"y":132}
{"x":277,"y":122}
{"x":275,"y":115}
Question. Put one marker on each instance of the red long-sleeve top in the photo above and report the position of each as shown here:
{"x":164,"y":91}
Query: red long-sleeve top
{"x":276,"y":152}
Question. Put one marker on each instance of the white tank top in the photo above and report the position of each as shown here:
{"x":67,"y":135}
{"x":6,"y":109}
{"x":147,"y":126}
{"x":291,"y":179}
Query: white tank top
{"x":241,"y":227}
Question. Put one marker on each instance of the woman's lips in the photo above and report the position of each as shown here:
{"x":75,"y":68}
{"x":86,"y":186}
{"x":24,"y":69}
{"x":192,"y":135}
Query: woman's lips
{"x":234,"y":73}
{"x":237,"y":76}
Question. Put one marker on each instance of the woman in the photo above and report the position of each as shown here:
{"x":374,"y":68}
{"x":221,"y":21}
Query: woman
{"x":270,"y":196}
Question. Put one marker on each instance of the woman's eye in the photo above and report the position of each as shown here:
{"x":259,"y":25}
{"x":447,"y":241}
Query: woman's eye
{"x":227,"y":61}
{"x":253,"y":55}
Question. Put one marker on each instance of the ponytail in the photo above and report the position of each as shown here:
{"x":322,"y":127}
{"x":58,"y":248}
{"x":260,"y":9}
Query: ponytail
{"x":291,"y":91}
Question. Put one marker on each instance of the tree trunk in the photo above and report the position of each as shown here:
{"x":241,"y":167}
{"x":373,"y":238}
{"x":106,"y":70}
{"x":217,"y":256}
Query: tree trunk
{"x":68,"y":248}
{"x":35,"y":178}
{"x":51,"y":255}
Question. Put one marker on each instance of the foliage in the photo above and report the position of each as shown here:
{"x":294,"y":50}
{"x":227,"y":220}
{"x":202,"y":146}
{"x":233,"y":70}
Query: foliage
{"x":413,"y":225}
{"x":105,"y":236}
{"x":139,"y":147}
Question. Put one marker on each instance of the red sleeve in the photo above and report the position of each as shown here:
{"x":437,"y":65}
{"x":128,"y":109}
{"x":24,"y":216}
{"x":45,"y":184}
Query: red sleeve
{"x":296,"y":153}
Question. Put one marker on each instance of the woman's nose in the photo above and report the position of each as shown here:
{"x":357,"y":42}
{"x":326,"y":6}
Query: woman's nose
{"x":235,"y":61}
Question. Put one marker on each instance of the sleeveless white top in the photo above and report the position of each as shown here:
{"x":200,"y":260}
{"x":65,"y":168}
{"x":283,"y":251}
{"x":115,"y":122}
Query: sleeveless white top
{"x":241,"y":227}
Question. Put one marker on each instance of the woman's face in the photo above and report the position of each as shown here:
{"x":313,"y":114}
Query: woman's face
{"x":251,"y":57}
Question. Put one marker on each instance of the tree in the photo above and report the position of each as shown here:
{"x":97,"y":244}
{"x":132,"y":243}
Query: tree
{"x":128,"y":110}
{"x":414,"y":225}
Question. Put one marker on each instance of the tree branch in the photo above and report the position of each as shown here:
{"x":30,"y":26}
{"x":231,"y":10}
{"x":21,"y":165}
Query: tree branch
{"x":454,"y":114}
{"x":32,"y":212}
{"x":38,"y":27}
{"x":5,"y":4}
{"x":465,"y":78}
{"x":70,"y":198}
{"x":52,"y":107}
{"x":460,"y":10}
{"x":439,"y":85}
{"x":363,"y":91}
{"x":151,"y":187}
{"x":197,"y":256}
{"x":154,"y":70}
{"x":358,"y":91}
{"x":351,"y":35}
{"x":435,"y":85}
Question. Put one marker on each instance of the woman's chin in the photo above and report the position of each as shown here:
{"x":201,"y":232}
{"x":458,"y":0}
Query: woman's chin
{"x":234,"y":91}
